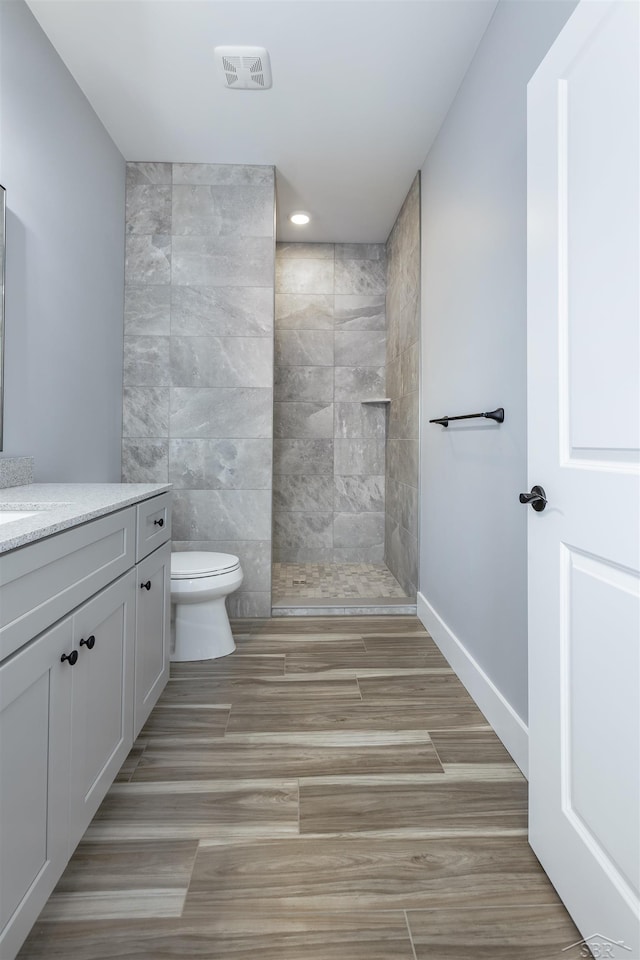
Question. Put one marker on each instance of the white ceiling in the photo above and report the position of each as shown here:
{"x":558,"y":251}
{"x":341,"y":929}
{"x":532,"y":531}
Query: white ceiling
{"x":360,"y":88}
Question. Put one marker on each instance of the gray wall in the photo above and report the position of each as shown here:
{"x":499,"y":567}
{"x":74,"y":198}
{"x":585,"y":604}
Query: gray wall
{"x":65,"y":183}
{"x":473,"y":530}
{"x":198,"y":357}
{"x":329,"y":447}
{"x":402,"y":385}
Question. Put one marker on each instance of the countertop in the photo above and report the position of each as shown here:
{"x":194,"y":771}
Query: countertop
{"x":60,"y":506}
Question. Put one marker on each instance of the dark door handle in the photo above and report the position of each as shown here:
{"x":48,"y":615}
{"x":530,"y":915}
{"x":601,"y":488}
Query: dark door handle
{"x":71,"y":657}
{"x":537,"y":498}
{"x":146,"y":586}
{"x":89,"y":643}
{"x":159,"y":523}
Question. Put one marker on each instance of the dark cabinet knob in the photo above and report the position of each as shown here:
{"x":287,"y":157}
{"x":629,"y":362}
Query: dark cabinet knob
{"x":537,"y":498}
{"x":146,"y":586}
{"x":89,"y":643}
{"x":159,"y":523}
{"x":71,"y":657}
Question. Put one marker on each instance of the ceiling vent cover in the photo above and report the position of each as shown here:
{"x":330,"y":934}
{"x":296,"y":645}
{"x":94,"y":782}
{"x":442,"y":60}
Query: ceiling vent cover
{"x":244,"y":68}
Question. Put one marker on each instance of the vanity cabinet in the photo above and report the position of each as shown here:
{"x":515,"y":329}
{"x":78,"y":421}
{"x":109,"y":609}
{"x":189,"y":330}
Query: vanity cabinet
{"x":74,"y":696}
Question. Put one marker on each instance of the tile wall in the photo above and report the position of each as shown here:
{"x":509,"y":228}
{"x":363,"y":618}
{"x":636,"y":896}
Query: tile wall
{"x":329,"y":448}
{"x":198,"y":357}
{"x":402,"y":384}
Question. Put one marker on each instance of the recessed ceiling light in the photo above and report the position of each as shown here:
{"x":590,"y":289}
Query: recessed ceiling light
{"x":300,"y":218}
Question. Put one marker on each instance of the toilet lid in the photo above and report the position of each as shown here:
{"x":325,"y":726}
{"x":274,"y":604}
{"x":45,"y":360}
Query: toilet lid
{"x":198,"y":563}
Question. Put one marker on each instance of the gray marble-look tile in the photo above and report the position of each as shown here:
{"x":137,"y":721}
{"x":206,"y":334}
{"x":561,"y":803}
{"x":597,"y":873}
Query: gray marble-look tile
{"x":402,"y":461}
{"x":304,"y":276}
{"x":232,"y":261}
{"x":220,"y":412}
{"x":147,"y":310}
{"x":362,"y":348}
{"x":221,"y":362}
{"x":221,"y":515}
{"x":403,"y":418}
{"x":146,"y":361}
{"x":145,"y":412}
{"x":222,"y":311}
{"x":410,"y":369}
{"x":359,"y":421}
{"x":302,"y":530}
{"x":254,"y":556}
{"x":243,"y":604}
{"x":148,"y":259}
{"x":298,"y":421}
{"x":148,"y":209}
{"x":303,"y":383}
{"x":370,"y":554}
{"x":304,"y":311}
{"x":145,"y":461}
{"x":305,"y":251}
{"x":359,"y":383}
{"x":358,"y":529}
{"x":222,"y":211}
{"x":216,"y":174}
{"x":356,"y":457}
{"x":402,"y":505}
{"x":401,"y":555}
{"x":359,"y":494}
{"x":306,"y":494}
{"x":148,"y":173}
{"x":306,"y":348}
{"x":361,"y":251}
{"x":394,"y":378}
{"x":220,"y":464}
{"x":358,"y":312}
{"x":303,"y":457}
{"x":360,"y":276}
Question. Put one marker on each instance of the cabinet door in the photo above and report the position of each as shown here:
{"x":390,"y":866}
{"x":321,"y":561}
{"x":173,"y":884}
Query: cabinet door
{"x":152,"y":632}
{"x":35,"y":711}
{"x":102,"y":699}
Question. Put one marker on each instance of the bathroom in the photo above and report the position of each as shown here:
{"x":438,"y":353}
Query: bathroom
{"x":167,"y":323}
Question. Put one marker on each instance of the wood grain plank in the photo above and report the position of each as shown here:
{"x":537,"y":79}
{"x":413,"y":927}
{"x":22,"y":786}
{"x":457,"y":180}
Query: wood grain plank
{"x":237,"y":664}
{"x":185,"y":721}
{"x":205,"y":690}
{"x":472,"y":746}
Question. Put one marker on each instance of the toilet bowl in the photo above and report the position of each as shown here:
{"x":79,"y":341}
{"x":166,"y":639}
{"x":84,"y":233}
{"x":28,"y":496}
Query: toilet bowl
{"x":200,"y":583}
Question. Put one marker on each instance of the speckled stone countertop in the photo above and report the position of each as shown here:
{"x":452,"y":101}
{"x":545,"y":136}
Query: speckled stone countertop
{"x":59,"y":506}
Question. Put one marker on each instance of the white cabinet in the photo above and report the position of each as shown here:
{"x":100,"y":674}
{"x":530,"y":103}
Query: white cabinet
{"x":152,"y":632}
{"x":73,"y":698}
{"x":35,"y":727}
{"x":102,"y":698}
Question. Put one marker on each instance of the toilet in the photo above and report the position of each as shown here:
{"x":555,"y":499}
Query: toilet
{"x":200,"y":582}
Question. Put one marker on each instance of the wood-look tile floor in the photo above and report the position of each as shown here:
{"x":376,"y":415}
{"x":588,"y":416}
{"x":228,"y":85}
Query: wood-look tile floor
{"x":328,"y":791}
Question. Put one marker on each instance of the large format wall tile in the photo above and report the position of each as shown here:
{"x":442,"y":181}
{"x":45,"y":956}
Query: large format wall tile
{"x":222,"y":515}
{"x":304,"y":311}
{"x":360,"y":276}
{"x":304,"y":276}
{"x":360,"y":421}
{"x":358,"y":529}
{"x":303,"y":530}
{"x":301,"y":420}
{"x":220,"y":464}
{"x":146,"y":361}
{"x":221,"y":362}
{"x":302,"y":457}
{"x":303,"y":494}
{"x":148,"y":209}
{"x":147,"y":310}
{"x":303,"y":383}
{"x":359,"y":494}
{"x":219,"y":174}
{"x":358,"y":312}
{"x":145,"y":173}
{"x":307,"y":348}
{"x":222,"y":211}
{"x":360,"y":251}
{"x":148,"y":259}
{"x":145,"y":461}
{"x":200,"y":311}
{"x":305,"y":251}
{"x":145,"y":412}
{"x":359,"y":383}
{"x":355,"y":457}
{"x":220,"y":412}
{"x":234,"y":262}
{"x":360,"y":348}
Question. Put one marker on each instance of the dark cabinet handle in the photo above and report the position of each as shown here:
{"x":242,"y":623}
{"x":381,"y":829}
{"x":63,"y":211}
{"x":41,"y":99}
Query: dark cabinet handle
{"x":71,"y":657}
{"x":537,"y":498}
{"x":89,"y":643}
{"x":146,"y":586}
{"x":159,"y":523}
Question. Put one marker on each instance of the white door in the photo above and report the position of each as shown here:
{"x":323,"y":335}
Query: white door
{"x":584,"y":443}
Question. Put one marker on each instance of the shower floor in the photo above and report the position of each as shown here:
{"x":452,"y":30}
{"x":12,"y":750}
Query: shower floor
{"x":340,"y":582}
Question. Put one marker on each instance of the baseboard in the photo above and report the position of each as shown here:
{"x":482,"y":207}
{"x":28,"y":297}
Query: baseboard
{"x":505,"y":721}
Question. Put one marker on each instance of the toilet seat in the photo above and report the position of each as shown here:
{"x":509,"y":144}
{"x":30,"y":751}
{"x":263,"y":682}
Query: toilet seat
{"x":192,"y":565}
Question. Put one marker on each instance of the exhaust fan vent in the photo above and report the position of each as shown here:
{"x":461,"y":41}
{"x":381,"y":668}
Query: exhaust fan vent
{"x":244,"y":68}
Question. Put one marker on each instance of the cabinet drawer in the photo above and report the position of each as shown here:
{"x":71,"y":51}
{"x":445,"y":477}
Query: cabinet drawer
{"x":43,"y":581}
{"x":154,"y":524}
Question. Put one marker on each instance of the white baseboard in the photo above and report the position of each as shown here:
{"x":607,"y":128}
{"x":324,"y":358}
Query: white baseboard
{"x":511,"y":729}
